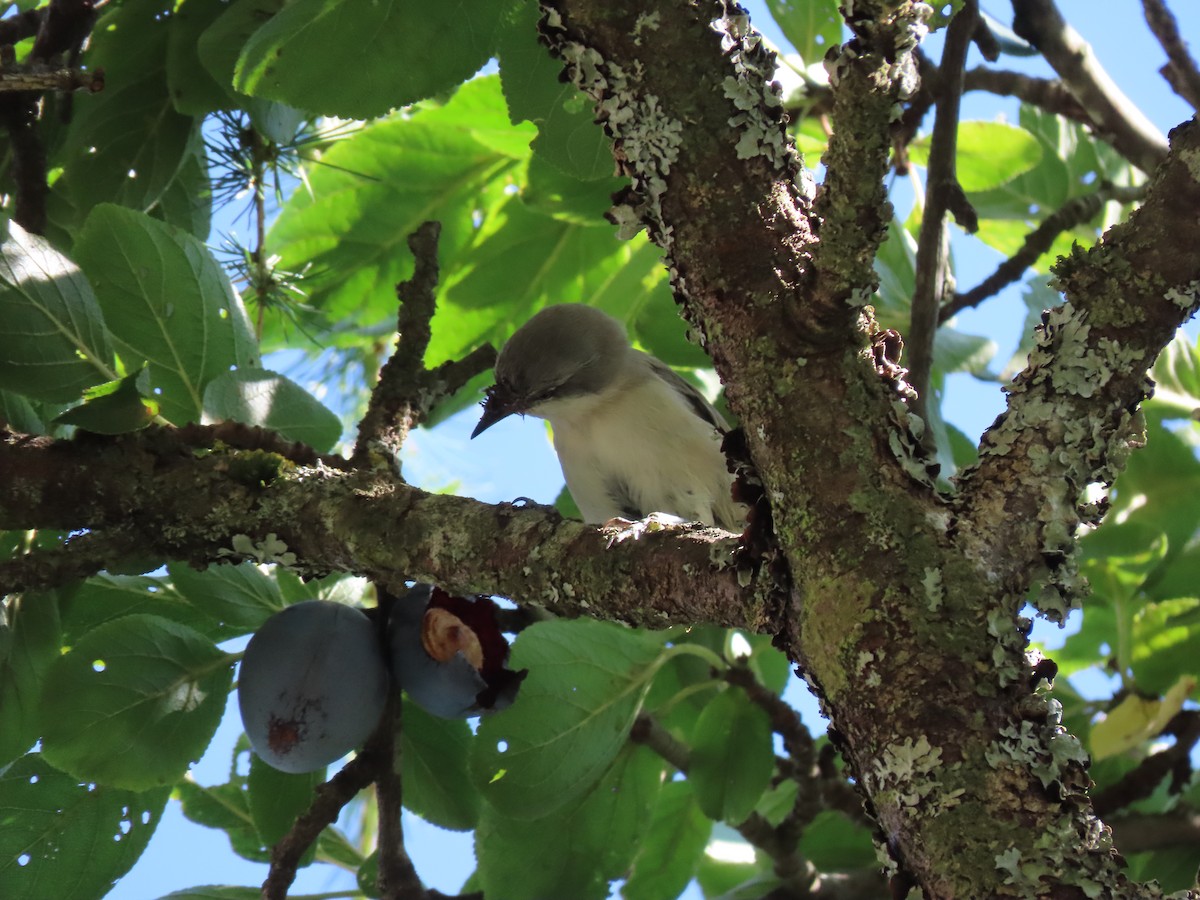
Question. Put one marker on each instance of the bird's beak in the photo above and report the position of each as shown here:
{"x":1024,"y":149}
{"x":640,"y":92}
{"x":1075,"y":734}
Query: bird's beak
{"x":499,"y":404}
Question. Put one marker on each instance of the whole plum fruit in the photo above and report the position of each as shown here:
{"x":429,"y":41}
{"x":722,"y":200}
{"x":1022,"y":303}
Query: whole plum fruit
{"x":449,"y":655}
{"x":312,"y":686}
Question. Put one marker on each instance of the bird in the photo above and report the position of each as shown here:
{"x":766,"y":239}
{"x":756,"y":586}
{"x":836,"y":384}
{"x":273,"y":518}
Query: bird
{"x":632,"y":436}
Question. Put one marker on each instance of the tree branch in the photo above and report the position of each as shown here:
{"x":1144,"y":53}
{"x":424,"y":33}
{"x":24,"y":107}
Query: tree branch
{"x":944,"y":194}
{"x":1073,"y":213}
{"x":1020,"y":505}
{"x":1119,"y":120}
{"x":406,"y":391}
{"x":79,"y":557}
{"x":1180,"y":71}
{"x":368,"y":522}
{"x":1141,"y":782}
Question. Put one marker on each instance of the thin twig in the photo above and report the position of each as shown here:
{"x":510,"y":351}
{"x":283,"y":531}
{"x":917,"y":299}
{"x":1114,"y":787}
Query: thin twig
{"x":406,"y":390}
{"x":1070,"y":215}
{"x":1142,"y":781}
{"x":944,"y":195}
{"x":397,"y":878}
{"x":52,"y":80}
{"x":327,"y":805}
{"x":23,"y":25}
{"x":1044,"y":93}
{"x":1180,"y":71}
{"x":1119,"y":120}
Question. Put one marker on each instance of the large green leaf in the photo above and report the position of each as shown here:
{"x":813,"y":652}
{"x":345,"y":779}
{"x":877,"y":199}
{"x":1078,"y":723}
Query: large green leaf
{"x":374,"y":189}
{"x":125,"y":144}
{"x":813,"y":26}
{"x":585,"y":685}
{"x":53,"y":342}
{"x":990,"y":154}
{"x":259,"y":397}
{"x":1073,"y":163}
{"x":240,"y":598}
{"x":31,"y":634}
{"x":577,"y":850}
{"x":568,"y":136}
{"x":167,"y":303}
{"x":103,"y":598}
{"x":672,"y":847}
{"x":358,"y":58}
{"x":732,"y":757}
{"x":194,"y":89}
{"x":60,"y":838}
{"x":277,"y":798}
{"x":134,"y":702}
{"x":435,"y":768}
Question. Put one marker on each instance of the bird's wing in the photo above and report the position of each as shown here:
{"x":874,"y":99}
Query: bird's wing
{"x":700,"y":406}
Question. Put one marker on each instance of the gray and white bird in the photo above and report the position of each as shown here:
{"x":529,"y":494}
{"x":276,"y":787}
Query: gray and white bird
{"x":632,"y":436}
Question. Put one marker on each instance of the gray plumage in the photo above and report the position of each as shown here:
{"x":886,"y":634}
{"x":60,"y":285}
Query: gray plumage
{"x":632,"y":436}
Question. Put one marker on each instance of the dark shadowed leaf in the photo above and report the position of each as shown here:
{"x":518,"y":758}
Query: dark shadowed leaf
{"x":585,"y":685}
{"x":60,"y":838}
{"x":134,"y":702}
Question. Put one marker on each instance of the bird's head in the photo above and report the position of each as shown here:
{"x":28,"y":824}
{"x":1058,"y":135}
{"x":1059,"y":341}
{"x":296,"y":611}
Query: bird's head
{"x":565,"y":351}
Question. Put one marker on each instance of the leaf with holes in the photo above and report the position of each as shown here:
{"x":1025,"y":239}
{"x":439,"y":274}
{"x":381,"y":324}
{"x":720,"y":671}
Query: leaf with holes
{"x":31,"y":639}
{"x":134,"y":702}
{"x":586,"y":683}
{"x":60,"y":838}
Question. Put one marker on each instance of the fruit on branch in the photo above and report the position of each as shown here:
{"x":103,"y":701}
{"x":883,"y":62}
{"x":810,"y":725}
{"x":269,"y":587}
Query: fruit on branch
{"x":312,"y":686}
{"x":449,"y":655}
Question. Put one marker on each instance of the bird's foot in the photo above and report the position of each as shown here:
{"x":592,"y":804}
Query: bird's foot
{"x":618,"y":530}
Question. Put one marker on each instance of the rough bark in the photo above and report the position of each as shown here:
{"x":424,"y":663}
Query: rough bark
{"x":902,"y":604}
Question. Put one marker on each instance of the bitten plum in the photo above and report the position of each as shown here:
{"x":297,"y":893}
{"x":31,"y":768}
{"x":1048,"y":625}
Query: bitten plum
{"x":312,"y":686}
{"x":448,"y":653}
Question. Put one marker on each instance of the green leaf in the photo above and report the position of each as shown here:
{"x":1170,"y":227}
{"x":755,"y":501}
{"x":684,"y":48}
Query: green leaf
{"x":357,"y":58}
{"x":193,"y":89}
{"x":187,"y":201}
{"x":579,"y":849}
{"x":60,"y":838}
{"x":568,"y":137}
{"x":1176,"y":376}
{"x":167,"y":303}
{"x":259,"y":397}
{"x":990,"y":154}
{"x":672,"y":847}
{"x":134,"y":702}
{"x":32,"y":635}
{"x":812,"y":26}
{"x":219,"y":46}
{"x":216,"y":892}
{"x":550,"y":191}
{"x":585,"y":685}
{"x":103,"y":598}
{"x":833,"y":843}
{"x":225,"y":807}
{"x":732,"y":757}
{"x":125,"y":144}
{"x":115,"y":407}
{"x":240,"y":597}
{"x":277,"y":798}
{"x":435,"y":768}
{"x":53,"y":342}
{"x":373,"y":191}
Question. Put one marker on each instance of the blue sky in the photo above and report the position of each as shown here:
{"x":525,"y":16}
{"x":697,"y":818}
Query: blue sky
{"x":515,"y":459}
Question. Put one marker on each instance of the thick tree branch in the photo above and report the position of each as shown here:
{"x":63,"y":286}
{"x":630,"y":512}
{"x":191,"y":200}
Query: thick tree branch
{"x":368,"y":522}
{"x":1180,"y":71}
{"x":1119,"y":120}
{"x":1070,"y":413}
{"x":79,"y":557}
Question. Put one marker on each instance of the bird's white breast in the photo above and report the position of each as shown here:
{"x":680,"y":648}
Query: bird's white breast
{"x":639,"y":448}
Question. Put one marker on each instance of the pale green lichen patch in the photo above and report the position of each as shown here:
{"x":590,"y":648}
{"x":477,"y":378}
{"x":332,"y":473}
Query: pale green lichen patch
{"x":903,"y":774}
